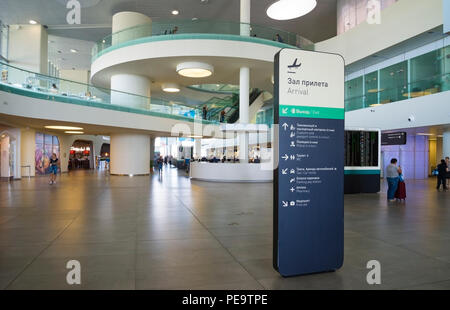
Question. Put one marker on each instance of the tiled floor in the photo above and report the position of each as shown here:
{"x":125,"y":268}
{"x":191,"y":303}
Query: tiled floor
{"x":171,"y":233}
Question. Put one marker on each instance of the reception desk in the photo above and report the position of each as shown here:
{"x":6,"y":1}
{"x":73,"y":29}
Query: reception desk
{"x":230,"y":172}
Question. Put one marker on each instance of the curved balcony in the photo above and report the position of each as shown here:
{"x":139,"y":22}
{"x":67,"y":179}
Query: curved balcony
{"x":198,"y":29}
{"x":26,"y":83}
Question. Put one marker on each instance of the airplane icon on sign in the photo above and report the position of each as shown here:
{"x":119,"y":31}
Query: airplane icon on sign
{"x":295,"y":65}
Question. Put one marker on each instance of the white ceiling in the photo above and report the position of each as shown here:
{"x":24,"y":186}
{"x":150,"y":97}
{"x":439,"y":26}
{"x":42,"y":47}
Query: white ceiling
{"x":96,"y":15}
{"x":59,"y":53}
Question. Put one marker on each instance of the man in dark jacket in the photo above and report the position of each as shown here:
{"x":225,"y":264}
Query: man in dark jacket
{"x":442,"y":175}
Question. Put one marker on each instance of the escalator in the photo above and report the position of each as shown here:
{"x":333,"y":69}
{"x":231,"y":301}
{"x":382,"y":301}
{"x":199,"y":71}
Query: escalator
{"x":234,"y":116}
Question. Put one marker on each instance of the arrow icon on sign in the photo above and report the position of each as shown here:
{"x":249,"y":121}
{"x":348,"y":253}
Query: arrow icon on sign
{"x":285,"y":157}
{"x":285,"y":126}
{"x":285,"y":110}
{"x":284,"y":171}
{"x":285,"y":204}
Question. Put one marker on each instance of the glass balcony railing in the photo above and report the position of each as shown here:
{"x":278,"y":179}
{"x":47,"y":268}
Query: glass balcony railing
{"x":26,"y":83}
{"x":176,"y":27}
{"x":432,"y":85}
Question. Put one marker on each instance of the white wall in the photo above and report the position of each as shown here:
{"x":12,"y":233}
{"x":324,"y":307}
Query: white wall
{"x":80,"y":76}
{"x":28,"y":47}
{"x":400,"y":21}
{"x":427,"y":111}
{"x":446,"y":12}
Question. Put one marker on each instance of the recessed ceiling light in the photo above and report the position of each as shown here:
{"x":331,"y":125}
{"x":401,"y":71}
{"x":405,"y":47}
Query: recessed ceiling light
{"x":63,"y":127}
{"x":32,"y":22}
{"x":75,"y":132}
{"x":194,"y":18}
{"x":290,"y":9}
{"x":170,"y":88}
{"x":72,"y":50}
{"x":195,"y":69}
{"x":175,"y":12}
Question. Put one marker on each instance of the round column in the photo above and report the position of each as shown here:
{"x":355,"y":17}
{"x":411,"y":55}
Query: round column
{"x":244,"y":105}
{"x":130,"y":154}
{"x":245,"y":17}
{"x":130,"y":90}
{"x":198,"y":148}
{"x":124,"y":20}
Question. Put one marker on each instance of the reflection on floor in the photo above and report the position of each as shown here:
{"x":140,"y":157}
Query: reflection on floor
{"x":148,"y":233}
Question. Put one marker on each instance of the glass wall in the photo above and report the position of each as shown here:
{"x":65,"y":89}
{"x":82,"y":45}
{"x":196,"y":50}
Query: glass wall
{"x":423,"y":75}
{"x":354,"y":90}
{"x":371,"y":90}
{"x":393,"y":83}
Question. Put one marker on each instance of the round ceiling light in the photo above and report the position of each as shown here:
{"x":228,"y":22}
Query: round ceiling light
{"x":195,"y":69}
{"x":290,"y":9}
{"x":175,"y":12}
{"x":63,"y":128}
{"x":170,"y":88}
{"x":33,"y":22}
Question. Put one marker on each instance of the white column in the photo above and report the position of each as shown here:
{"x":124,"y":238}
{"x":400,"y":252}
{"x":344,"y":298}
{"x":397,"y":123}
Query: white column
{"x":28,"y":151}
{"x":445,"y":145}
{"x":130,"y":83}
{"x":245,"y":17}
{"x":130,"y":90}
{"x":130,"y":154}
{"x":198,"y":148}
{"x":124,"y":20}
{"x":4,"y":160}
{"x":244,"y":104}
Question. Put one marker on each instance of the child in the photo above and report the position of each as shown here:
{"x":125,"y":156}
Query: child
{"x":53,"y":168}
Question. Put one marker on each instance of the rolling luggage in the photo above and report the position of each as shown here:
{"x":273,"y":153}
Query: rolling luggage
{"x":401,"y":191}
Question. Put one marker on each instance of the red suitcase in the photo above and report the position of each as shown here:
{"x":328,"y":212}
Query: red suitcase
{"x":401,"y":191}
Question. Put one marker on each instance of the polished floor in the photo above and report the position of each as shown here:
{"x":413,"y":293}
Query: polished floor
{"x":173,"y":233}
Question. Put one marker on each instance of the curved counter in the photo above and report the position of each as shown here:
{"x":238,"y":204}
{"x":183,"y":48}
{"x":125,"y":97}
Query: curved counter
{"x":230,"y":172}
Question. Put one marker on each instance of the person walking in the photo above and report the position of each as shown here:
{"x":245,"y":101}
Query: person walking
{"x":222,"y":116}
{"x":442,"y":175}
{"x":392,"y":177}
{"x":53,"y":168}
{"x":447,"y":162}
{"x":160,"y":162}
{"x":205,"y":112}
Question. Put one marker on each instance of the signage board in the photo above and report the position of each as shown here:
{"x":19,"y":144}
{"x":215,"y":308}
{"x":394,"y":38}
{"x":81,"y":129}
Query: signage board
{"x":309,"y":177}
{"x":393,"y":138}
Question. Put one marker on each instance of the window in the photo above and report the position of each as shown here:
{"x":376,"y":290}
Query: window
{"x":394,"y":83}
{"x":371,"y":89}
{"x":354,"y":94}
